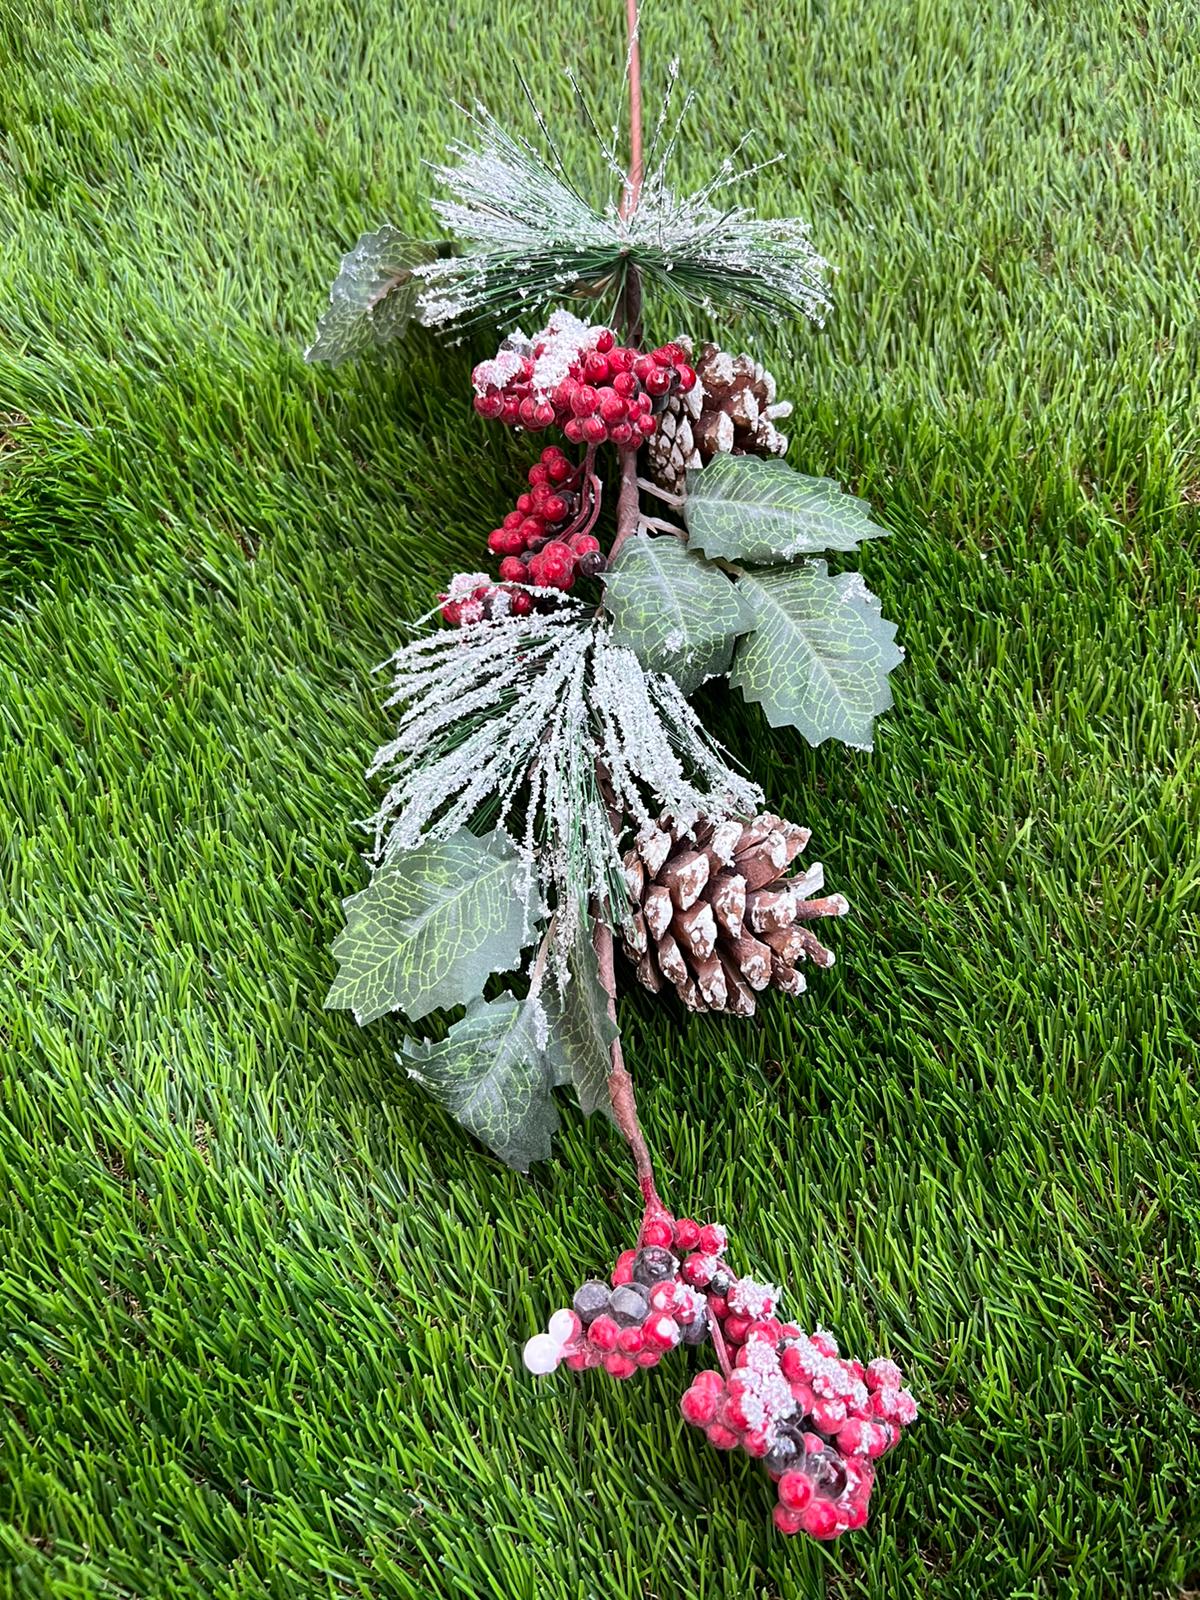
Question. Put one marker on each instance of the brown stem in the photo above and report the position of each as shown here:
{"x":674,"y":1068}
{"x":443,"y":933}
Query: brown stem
{"x":633,"y":181}
{"x":620,"y":1084}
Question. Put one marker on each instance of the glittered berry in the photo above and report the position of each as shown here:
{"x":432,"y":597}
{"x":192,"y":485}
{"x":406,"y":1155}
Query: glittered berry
{"x":604,"y":1333}
{"x":650,"y":1357}
{"x":632,"y":1341}
{"x":619,"y":1366}
{"x":520,"y":604}
{"x":542,"y":1354}
{"x":712,"y":1239}
{"x":554,"y":508}
{"x":829,"y":1414}
{"x":565,"y":1326}
{"x":819,"y":1520}
{"x":699,"y":1405}
{"x":698,"y":1270}
{"x":685,"y":376}
{"x":696,"y":1331}
{"x":658,"y":1230}
{"x":623,"y":1271}
{"x":795,"y":1490}
{"x":687,"y":1234}
{"x":720,"y":1437}
{"x":786,"y":1521}
{"x":628,"y":1304}
{"x":661,"y":1331}
{"x":514,"y":570}
{"x":595,"y":429}
{"x":881,"y":1374}
{"x":852,"y":1437}
{"x":652,"y":1264}
{"x":736,"y":1328}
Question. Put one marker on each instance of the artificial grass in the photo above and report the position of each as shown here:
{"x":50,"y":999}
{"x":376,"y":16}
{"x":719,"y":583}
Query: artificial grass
{"x":262,"y":1302}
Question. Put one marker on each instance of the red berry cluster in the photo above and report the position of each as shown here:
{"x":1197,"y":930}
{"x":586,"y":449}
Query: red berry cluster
{"x":545,"y":540}
{"x":579,"y":378}
{"x":473,"y":597}
{"x":817,"y":1422}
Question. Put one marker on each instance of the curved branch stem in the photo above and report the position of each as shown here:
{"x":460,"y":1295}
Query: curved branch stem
{"x":620,"y":1084}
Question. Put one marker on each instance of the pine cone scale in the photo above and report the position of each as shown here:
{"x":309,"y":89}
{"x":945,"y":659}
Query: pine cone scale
{"x":731,"y":410}
{"x":713,"y":915}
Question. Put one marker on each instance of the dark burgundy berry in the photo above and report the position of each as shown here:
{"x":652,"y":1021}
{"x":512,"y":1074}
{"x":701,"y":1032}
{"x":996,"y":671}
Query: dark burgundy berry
{"x":592,"y":564}
{"x":781,"y":1454}
{"x":696,"y":1331}
{"x":720,"y":1282}
{"x":653,"y":1265}
{"x":628,"y":1305}
{"x":590,"y":1300}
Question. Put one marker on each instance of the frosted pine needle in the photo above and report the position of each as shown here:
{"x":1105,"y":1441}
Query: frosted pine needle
{"x":528,"y":236}
{"x":511,"y":721}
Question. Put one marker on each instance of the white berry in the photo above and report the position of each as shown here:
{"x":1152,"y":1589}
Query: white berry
{"x":542,"y":1354}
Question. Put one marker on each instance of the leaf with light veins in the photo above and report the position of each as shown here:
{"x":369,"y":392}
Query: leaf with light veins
{"x":676,"y":613}
{"x":431,"y":927}
{"x":745,"y":508}
{"x":374,"y":296}
{"x":819,"y":658}
{"x":492,"y":1074}
{"x":581,"y":1030}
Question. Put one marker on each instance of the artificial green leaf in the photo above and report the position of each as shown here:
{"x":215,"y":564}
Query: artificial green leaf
{"x":819,"y":658}
{"x":675,"y":611}
{"x":580,"y":1028}
{"x":373,"y":298}
{"x":431,"y":927}
{"x":492,"y":1074}
{"x":744,"y":508}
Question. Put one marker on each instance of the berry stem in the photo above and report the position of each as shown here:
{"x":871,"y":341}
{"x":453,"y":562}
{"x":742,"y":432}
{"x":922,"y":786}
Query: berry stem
{"x":718,"y":1343}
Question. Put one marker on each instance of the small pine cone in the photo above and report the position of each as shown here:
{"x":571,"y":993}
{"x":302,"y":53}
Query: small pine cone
{"x":731,"y":409}
{"x":713,"y":914}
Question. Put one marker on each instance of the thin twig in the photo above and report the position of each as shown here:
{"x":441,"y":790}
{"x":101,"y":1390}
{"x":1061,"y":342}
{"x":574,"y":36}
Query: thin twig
{"x":660,"y":493}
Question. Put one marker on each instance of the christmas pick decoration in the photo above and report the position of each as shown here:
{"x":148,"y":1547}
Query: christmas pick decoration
{"x":551,"y":793}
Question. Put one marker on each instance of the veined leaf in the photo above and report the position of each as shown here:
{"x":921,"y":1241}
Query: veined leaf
{"x":676,"y":613}
{"x":581,"y":1030}
{"x":431,"y":927}
{"x":374,"y":296}
{"x":744,"y":508}
{"x":819,"y":658}
{"x":492,"y":1074}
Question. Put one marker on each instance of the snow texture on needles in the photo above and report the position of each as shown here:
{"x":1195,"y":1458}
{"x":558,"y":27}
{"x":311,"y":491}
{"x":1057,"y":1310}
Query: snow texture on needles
{"x":514,"y":718}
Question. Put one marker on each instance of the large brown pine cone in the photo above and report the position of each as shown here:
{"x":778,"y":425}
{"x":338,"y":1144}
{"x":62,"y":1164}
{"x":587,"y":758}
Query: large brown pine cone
{"x":732,"y":408}
{"x":713,"y":914}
